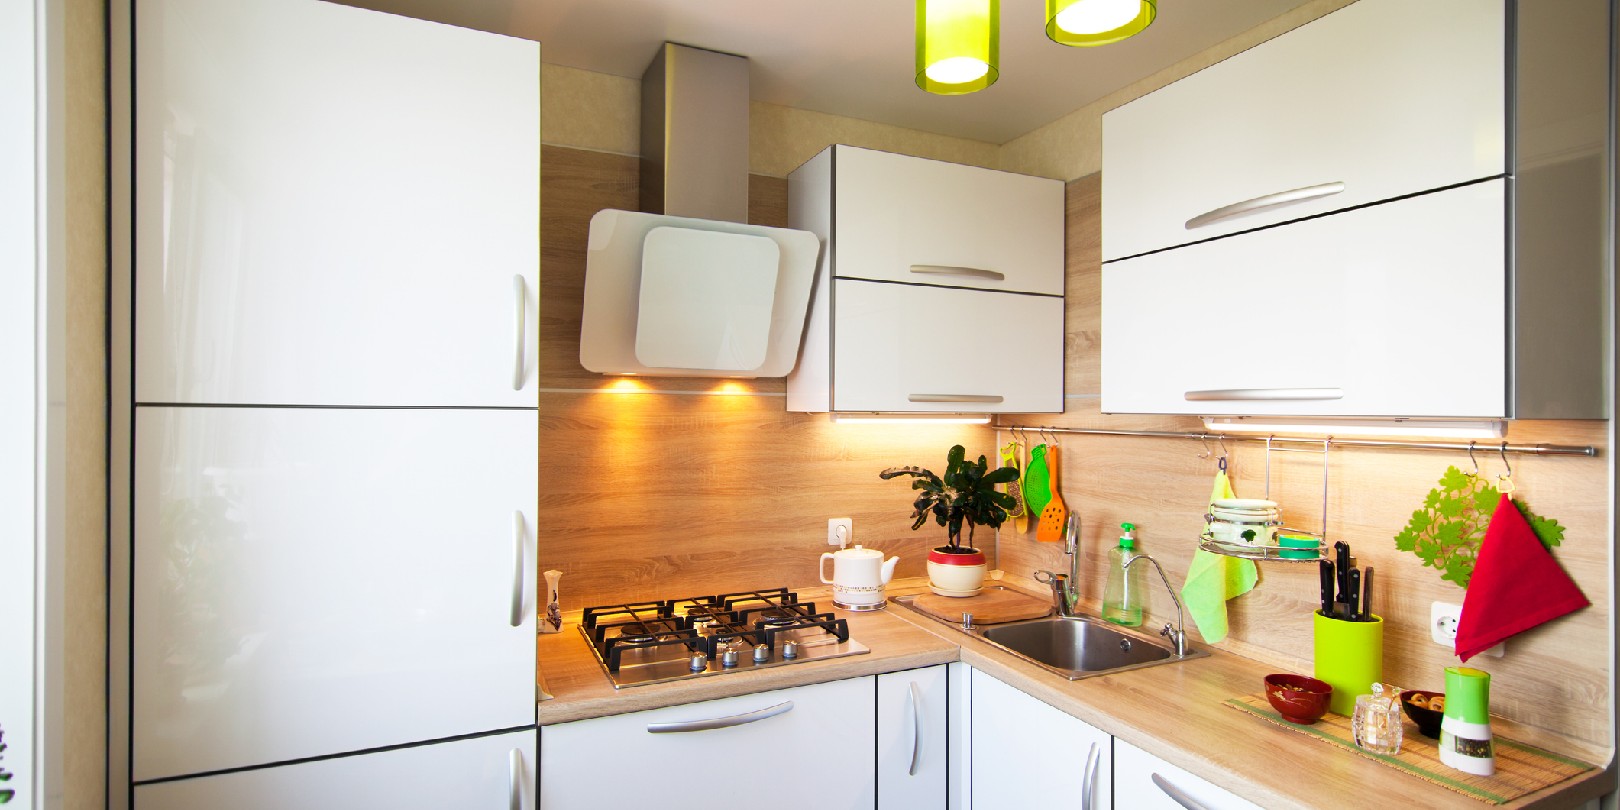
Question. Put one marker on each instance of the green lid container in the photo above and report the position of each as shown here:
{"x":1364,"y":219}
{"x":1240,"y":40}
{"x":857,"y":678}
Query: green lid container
{"x":1468,"y":695}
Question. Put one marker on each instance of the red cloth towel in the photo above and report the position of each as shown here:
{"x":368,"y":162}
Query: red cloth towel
{"x":1516,"y":585}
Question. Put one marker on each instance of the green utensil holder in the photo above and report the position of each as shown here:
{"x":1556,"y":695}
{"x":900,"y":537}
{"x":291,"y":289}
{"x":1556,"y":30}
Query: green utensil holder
{"x":1350,"y":657}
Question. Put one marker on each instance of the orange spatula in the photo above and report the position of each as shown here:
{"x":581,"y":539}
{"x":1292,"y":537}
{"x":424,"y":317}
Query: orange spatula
{"x":1056,"y":513}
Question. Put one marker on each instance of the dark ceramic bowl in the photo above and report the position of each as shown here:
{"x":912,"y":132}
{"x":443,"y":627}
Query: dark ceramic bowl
{"x":1297,"y":698}
{"x":1428,"y":720}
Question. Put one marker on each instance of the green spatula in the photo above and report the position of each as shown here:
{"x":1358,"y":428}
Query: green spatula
{"x":1037,"y":483}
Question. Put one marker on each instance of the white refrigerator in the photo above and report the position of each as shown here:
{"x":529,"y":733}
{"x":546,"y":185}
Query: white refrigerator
{"x":332,"y":570}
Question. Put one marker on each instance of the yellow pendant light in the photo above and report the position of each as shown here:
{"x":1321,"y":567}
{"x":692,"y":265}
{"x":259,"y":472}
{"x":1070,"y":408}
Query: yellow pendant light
{"x":958,"y":45}
{"x":1097,"y":22}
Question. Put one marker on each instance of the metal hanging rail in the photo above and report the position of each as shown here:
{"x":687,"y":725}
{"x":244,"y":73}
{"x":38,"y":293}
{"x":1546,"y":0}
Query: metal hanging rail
{"x":1461,"y":447}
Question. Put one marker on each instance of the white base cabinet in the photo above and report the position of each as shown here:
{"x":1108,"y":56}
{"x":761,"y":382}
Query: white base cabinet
{"x":808,"y":747}
{"x":912,"y":713}
{"x":1145,"y":782}
{"x":1028,"y":754}
{"x":495,"y":772}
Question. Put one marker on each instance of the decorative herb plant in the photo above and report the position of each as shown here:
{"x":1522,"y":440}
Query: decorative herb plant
{"x":965,"y":496}
{"x":1445,"y":534}
{"x":6,"y":794}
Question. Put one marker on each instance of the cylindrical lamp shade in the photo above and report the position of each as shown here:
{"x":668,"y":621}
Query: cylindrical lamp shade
{"x":958,"y":45}
{"x":1097,"y":22}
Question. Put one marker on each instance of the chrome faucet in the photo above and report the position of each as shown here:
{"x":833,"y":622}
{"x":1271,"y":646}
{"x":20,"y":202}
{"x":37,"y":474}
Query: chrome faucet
{"x":1176,"y":634}
{"x":1066,"y":587}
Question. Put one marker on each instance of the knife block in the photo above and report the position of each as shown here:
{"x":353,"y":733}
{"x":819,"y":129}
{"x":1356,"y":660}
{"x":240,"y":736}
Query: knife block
{"x":1350,"y":658}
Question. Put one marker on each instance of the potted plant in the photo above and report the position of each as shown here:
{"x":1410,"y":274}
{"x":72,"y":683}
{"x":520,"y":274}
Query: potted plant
{"x":965,"y":496}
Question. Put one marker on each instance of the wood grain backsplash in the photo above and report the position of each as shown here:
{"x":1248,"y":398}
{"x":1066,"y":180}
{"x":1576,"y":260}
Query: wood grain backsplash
{"x":1555,"y":677}
{"x":656,"y":488}
{"x":710,"y":485}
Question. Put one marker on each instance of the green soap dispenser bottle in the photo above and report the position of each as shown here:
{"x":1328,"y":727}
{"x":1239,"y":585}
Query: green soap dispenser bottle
{"x":1122,"y":600}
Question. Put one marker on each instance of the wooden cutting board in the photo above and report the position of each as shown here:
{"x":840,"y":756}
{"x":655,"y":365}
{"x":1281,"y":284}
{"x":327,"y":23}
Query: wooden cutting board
{"x":990,"y":606}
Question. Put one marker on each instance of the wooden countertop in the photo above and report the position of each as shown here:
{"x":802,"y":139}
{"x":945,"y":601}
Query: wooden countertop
{"x":1173,"y":711}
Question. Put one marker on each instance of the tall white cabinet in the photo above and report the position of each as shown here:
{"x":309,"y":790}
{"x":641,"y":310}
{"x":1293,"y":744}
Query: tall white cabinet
{"x":331,"y":572}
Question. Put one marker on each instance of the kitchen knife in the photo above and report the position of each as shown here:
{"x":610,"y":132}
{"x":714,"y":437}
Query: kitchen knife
{"x":1341,"y":554}
{"x":1326,"y":566}
{"x":1366,"y":595}
{"x":1355,"y":595}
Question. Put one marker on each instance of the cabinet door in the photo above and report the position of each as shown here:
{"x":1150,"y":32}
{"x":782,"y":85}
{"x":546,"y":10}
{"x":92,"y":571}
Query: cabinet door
{"x":911,"y":219}
{"x":898,"y":347}
{"x":808,"y":747}
{"x":1316,"y":318}
{"x":1028,"y":754}
{"x":911,"y":734}
{"x":1315,"y":106}
{"x":1142,"y":780}
{"x":331,"y":206}
{"x":495,"y":772}
{"x":316,"y":581}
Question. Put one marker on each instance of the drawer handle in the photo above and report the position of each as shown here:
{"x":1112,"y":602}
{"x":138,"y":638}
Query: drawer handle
{"x":721,"y":722}
{"x":947,"y":270}
{"x":983,"y":398}
{"x":1280,"y":198}
{"x":516,"y":619}
{"x":1264,"y":394}
{"x":1176,"y":795}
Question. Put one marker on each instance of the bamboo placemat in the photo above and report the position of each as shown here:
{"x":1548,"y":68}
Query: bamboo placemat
{"x":1520,"y":769}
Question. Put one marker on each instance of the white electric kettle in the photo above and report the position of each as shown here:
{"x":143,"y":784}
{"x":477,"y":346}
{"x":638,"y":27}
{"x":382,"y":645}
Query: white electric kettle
{"x":859,"y":575}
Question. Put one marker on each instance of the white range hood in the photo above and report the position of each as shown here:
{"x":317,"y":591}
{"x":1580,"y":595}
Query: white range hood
{"x":687,"y":289}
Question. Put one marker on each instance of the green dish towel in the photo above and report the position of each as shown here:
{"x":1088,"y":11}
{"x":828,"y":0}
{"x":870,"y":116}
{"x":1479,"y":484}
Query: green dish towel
{"x":1214,"y":578}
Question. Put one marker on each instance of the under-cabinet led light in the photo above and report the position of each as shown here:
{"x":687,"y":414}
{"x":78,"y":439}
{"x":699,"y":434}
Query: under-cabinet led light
{"x":911,"y":418}
{"x":1437,"y":428}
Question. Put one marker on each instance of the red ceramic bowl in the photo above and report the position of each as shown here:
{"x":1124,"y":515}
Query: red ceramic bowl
{"x":1428,"y":720}
{"x":1297,"y":698}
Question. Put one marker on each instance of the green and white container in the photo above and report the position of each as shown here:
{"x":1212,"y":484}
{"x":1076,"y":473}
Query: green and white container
{"x":1465,"y":731}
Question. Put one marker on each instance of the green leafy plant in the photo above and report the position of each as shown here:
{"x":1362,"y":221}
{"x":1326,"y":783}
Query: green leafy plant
{"x":1445,"y":534}
{"x":6,"y":794}
{"x":965,"y":496}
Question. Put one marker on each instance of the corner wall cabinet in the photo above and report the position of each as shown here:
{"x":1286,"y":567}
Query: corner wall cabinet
{"x":918,"y":255}
{"x":1309,"y":228}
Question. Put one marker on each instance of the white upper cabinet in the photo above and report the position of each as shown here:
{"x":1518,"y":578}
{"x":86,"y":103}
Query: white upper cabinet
{"x":1316,"y":318}
{"x":333,"y":206}
{"x":1376,"y":100}
{"x":918,"y":254}
{"x":314,"y":581}
{"x":921,"y":221}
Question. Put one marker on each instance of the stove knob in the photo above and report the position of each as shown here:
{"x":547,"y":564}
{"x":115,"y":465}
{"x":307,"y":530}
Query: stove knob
{"x":728,"y":659}
{"x":699,"y":662}
{"x":790,"y":650}
{"x":762,"y":653}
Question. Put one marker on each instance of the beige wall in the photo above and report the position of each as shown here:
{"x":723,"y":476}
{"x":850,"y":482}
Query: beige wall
{"x":86,"y":532}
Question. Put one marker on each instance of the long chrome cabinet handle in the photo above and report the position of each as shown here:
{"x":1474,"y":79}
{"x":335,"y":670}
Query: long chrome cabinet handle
{"x":721,"y":722}
{"x":1264,"y":394}
{"x":517,"y":569}
{"x":947,"y":270}
{"x":514,"y":779}
{"x":1176,"y":795}
{"x":1088,"y":785}
{"x":1289,"y":197}
{"x":916,"y":729}
{"x":985,"y":398}
{"x":517,"y":354}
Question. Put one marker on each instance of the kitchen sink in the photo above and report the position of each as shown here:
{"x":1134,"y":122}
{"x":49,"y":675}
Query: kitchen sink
{"x":1081,"y":646}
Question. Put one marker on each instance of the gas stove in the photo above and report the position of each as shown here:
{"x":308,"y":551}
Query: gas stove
{"x":676,"y":639}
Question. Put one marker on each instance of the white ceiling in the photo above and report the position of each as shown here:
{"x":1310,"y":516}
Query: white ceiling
{"x":854,"y":57}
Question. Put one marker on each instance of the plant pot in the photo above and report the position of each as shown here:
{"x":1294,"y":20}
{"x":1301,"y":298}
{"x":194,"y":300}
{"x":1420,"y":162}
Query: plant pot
{"x":956,"y":573}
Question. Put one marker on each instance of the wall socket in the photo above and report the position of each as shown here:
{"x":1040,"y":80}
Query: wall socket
{"x":840,"y":531}
{"x":1443,"y":620}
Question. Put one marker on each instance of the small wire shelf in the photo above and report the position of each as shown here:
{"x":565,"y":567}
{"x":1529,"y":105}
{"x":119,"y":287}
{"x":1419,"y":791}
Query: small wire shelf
{"x":1266,"y":553}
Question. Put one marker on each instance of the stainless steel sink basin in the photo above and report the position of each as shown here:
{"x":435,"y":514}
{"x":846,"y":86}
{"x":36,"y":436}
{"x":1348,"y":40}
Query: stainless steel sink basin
{"x":1081,"y":646}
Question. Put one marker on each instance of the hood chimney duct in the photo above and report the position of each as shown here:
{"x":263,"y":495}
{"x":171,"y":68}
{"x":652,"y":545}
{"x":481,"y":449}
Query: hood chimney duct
{"x":694,"y":134}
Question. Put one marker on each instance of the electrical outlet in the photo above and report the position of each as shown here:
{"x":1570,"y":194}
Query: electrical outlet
{"x":1443,"y":620}
{"x":840,"y":531}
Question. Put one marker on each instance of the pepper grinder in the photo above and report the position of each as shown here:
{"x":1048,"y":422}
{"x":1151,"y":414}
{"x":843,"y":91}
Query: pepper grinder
{"x":1465,"y":729}
{"x":552,"y":622}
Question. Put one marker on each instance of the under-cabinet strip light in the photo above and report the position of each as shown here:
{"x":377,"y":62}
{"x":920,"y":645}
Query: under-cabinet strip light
{"x":911,"y":418}
{"x":1438,"y":428}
